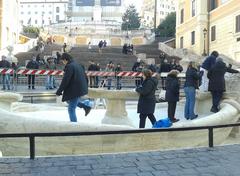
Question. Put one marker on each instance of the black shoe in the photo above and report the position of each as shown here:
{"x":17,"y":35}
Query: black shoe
{"x":194,"y":117}
{"x":87,"y":110}
{"x":214,"y":110}
{"x":174,"y":120}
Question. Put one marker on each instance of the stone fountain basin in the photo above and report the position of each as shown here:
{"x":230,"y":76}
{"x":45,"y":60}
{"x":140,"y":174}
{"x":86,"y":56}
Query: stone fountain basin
{"x":28,"y":118}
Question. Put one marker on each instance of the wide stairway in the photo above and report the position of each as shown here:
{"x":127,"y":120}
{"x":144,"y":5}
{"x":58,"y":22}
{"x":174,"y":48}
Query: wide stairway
{"x":83,"y":55}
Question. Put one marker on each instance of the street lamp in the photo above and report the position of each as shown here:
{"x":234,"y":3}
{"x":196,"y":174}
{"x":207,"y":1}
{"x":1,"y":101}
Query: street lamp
{"x":204,"y":42}
{"x":127,"y":27}
{"x":70,"y":26}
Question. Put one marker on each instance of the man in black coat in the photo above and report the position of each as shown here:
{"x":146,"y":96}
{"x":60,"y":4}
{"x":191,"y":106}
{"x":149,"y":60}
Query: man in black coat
{"x":217,"y":82}
{"x":207,"y":64}
{"x":74,"y":86}
{"x":33,"y":64}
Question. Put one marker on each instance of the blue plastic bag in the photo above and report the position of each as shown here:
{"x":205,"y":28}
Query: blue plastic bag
{"x":163,"y":123}
{"x":88,"y":103}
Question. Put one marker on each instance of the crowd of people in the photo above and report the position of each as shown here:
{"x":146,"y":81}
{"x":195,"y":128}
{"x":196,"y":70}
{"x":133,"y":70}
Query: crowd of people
{"x":127,"y":49}
{"x":214,"y":68}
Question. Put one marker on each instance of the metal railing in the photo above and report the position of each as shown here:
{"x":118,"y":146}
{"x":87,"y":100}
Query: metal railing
{"x":32,"y":136}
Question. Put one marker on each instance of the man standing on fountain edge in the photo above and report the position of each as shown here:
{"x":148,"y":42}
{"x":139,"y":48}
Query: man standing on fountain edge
{"x":74,"y":86}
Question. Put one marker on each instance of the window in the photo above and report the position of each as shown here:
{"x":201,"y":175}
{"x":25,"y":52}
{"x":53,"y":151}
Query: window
{"x":193,"y":37}
{"x":238,"y":23}
{"x":181,"y":42}
{"x":36,"y":12}
{"x":213,"y":4}
{"x":22,"y":13}
{"x":36,"y":21}
{"x":50,"y":12}
{"x":57,"y":18}
{"x":193,"y":8}
{"x":182,"y":16}
{"x":57,"y":9}
{"x":213,"y":33}
{"x":29,"y":13}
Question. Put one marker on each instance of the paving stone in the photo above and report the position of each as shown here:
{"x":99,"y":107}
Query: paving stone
{"x":220,"y":161}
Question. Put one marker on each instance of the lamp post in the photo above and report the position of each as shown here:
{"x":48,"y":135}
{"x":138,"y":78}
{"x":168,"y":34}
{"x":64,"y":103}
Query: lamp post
{"x":70,"y":26}
{"x":204,"y":42}
{"x":127,"y":27}
{"x":155,"y":15}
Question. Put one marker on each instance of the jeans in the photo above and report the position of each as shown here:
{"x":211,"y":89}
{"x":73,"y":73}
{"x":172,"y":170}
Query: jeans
{"x":190,"y":93}
{"x":6,"y":81}
{"x":49,"y":82}
{"x":119,"y":85}
{"x":143,"y":119}
{"x":109,"y":83}
{"x":72,"y":104}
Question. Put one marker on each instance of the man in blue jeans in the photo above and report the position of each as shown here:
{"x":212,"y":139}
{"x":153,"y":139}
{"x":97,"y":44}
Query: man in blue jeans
{"x":74,"y":86}
{"x":5,"y":77}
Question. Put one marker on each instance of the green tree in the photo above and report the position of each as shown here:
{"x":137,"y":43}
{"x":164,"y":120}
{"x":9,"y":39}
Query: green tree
{"x":131,"y":19}
{"x":168,"y":27}
{"x":31,"y":30}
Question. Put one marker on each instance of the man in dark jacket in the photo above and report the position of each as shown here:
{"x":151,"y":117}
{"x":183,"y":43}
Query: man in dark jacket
{"x":5,"y":77}
{"x":92,"y":79}
{"x":217,"y":82}
{"x":33,"y":64}
{"x":74,"y":86}
{"x":164,"y":68}
{"x":206,"y":66}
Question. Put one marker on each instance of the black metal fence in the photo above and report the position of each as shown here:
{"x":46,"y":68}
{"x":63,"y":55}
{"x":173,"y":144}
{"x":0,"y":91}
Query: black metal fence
{"x":32,"y":136}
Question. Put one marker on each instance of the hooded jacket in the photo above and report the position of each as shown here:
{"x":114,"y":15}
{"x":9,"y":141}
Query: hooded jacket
{"x":147,"y":99}
{"x":172,"y":88}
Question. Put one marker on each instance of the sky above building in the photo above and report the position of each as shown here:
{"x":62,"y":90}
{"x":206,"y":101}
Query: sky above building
{"x":137,"y":3}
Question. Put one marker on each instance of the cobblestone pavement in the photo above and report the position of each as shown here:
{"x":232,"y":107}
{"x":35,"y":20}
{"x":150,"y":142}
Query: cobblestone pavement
{"x":219,"y":161}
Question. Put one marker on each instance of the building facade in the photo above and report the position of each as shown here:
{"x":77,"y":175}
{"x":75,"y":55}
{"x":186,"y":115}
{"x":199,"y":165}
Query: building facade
{"x":96,"y":10}
{"x":40,"y":13}
{"x":164,"y":7}
{"x":9,"y":26}
{"x":207,"y":25}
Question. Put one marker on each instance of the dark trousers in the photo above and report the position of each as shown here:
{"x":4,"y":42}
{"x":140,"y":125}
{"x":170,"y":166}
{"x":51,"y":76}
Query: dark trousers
{"x":143,"y":119}
{"x":171,"y":110}
{"x":216,"y":98}
{"x":31,"y":81}
{"x":163,"y":83}
{"x":138,"y":81}
{"x":92,"y":81}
